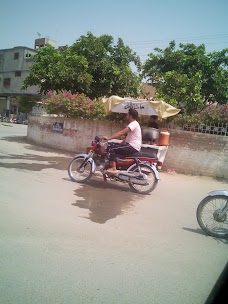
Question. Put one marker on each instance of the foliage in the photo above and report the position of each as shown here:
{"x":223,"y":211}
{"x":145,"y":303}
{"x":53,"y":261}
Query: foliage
{"x":117,"y":117}
{"x":26,"y":103}
{"x":73,"y":105}
{"x":58,"y":69}
{"x":213,"y":114}
{"x":80,"y":106}
{"x":188,"y":77}
{"x":180,"y":87}
{"x":92,"y":65}
{"x":109,"y":65}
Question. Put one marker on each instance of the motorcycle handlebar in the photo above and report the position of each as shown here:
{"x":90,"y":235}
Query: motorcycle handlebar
{"x":99,"y":139}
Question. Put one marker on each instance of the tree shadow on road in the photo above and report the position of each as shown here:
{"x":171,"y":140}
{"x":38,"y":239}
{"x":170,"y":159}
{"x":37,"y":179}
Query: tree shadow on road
{"x":34,"y":162}
{"x":59,"y":163}
{"x":30,"y":145}
{"x":105,"y":200}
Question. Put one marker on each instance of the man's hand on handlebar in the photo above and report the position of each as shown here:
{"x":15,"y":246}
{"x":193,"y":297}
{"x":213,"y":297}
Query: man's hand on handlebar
{"x":105,"y":137}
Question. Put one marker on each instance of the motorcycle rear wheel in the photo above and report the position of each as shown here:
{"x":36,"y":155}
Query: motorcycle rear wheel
{"x":207,"y":216}
{"x":79,"y":175}
{"x":151,"y":179}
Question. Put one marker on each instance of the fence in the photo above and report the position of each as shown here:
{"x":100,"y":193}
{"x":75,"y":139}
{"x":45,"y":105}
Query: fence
{"x":216,"y":129}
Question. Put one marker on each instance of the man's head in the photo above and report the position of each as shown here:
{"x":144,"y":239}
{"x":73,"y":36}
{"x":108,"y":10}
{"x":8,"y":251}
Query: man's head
{"x":154,"y":117}
{"x":132,"y":114}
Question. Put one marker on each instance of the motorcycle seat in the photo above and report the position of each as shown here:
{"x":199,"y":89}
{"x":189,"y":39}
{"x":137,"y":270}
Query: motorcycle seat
{"x":145,"y":152}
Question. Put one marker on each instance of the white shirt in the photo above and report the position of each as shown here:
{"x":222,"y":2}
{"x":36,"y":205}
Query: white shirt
{"x":134,"y":137}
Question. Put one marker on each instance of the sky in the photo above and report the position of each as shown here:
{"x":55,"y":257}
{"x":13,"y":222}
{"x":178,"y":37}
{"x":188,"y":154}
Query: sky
{"x":142,"y":24}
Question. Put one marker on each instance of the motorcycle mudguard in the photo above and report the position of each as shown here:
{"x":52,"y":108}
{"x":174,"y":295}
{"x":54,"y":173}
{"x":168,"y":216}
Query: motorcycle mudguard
{"x":152,"y":167}
{"x":218,"y":192}
{"x":155,"y":171}
{"x":90,"y":160}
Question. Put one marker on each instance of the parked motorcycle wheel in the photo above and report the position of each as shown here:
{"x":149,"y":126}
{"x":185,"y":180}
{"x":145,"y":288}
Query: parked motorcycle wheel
{"x":151,"y":179}
{"x":208,"y":216}
{"x":79,"y":175}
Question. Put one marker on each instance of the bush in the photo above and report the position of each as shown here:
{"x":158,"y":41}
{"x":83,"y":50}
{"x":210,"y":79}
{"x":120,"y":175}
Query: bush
{"x":215,"y":113}
{"x":78,"y":106}
{"x":212,"y":114}
{"x":73,"y":105}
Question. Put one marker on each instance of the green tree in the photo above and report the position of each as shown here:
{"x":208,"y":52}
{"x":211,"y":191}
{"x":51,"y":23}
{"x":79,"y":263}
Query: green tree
{"x":92,"y":65}
{"x":188,"y":76}
{"x":219,"y":80}
{"x":58,"y":69}
{"x":26,"y":103}
{"x":110,"y":65}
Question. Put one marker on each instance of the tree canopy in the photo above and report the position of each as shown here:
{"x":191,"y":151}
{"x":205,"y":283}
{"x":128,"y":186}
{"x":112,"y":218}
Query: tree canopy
{"x":59,"y":69}
{"x":184,"y":76}
{"x":93,"y":65}
{"x":188,"y":76}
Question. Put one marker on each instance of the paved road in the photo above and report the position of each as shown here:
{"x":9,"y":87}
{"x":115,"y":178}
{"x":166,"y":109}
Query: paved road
{"x":61,"y":242}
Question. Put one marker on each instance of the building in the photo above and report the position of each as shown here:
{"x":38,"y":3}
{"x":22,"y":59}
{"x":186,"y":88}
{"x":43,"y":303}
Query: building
{"x":148,"y":91}
{"x":40,"y":42}
{"x":14,"y":68}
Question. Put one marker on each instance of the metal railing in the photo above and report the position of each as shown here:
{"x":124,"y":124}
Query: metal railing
{"x":215,"y":129}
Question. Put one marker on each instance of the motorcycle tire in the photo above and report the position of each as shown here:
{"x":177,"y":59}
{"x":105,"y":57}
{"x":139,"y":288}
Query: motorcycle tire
{"x":210,"y":225}
{"x":80,"y":175}
{"x":153,"y":181}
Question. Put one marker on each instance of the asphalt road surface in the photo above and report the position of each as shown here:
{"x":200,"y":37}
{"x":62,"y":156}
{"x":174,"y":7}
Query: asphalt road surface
{"x":63,"y":242}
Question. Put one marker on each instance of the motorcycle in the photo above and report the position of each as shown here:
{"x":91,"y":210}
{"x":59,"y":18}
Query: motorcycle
{"x":212,"y":214}
{"x":138,"y":170}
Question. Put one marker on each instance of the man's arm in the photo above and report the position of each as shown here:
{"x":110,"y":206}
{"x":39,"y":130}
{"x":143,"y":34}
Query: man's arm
{"x":118,"y":134}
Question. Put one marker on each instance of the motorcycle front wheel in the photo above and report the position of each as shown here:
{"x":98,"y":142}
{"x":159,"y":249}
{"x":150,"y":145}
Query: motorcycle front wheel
{"x":152,"y":181}
{"x":80,"y":174}
{"x":209,"y":216}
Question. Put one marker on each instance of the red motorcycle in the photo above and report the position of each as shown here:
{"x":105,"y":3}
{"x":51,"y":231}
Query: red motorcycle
{"x":138,"y":170}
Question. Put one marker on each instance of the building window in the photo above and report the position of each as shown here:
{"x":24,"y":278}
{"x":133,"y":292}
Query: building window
{"x":6,"y":82}
{"x":17,"y":73}
{"x":16,"y":56}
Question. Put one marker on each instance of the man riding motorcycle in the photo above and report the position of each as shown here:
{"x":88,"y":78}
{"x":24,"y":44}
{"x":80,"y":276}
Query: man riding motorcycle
{"x":130,"y":145}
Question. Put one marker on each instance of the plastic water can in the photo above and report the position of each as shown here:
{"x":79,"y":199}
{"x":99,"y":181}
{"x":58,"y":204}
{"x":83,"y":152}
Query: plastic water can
{"x":164,"y":138}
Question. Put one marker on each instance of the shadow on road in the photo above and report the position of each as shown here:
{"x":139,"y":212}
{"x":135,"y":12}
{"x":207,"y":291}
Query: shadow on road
{"x":104,"y":200}
{"x":200,"y":231}
{"x":60,"y":162}
{"x":18,"y":139}
{"x":113,"y":200}
{"x":35,"y":147}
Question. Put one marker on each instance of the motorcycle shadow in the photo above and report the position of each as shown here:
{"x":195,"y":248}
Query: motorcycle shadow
{"x":98,"y":183}
{"x":200,"y":231}
{"x":112,"y":201}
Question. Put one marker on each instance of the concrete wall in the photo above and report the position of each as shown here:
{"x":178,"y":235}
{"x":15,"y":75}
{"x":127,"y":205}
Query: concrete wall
{"x":198,"y":154}
{"x":188,"y":153}
{"x":76,"y":135}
